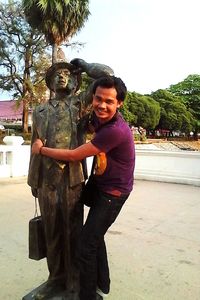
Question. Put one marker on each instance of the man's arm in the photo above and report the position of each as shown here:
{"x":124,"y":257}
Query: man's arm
{"x":93,"y":70}
{"x":77,"y":154}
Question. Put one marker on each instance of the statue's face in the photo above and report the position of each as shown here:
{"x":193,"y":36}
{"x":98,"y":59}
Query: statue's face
{"x":64,"y":81}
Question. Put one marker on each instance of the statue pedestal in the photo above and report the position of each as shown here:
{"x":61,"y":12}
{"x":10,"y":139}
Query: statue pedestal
{"x":64,"y":295}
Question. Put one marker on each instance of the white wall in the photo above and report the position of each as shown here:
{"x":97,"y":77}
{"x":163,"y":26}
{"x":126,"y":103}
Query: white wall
{"x":167,"y":166}
{"x":14,"y":160}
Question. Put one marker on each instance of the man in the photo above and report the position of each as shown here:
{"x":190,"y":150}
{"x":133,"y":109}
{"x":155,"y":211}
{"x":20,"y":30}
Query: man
{"x":56,"y":183}
{"x":114,"y":148}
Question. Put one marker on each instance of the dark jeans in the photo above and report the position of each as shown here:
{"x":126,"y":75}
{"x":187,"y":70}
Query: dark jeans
{"x":94,"y":270}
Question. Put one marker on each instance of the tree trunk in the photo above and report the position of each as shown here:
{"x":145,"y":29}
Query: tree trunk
{"x":25,"y":117}
{"x":26,"y":89}
{"x":54,"y":53}
{"x":54,"y":60}
{"x":195,"y":136}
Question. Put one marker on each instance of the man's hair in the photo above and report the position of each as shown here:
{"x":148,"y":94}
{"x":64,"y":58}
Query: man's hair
{"x":112,"y":82}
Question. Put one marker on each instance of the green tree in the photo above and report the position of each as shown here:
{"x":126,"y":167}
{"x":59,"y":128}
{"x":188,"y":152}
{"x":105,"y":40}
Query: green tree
{"x":22,"y":50}
{"x":127,"y":114}
{"x":174,"y":115}
{"x":58,"y":20}
{"x":189,"y":91}
{"x":140,"y":110}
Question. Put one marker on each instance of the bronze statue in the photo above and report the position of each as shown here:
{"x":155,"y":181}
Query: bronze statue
{"x":57,"y":184}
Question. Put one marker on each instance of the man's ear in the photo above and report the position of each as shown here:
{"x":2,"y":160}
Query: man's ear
{"x":120,"y":103}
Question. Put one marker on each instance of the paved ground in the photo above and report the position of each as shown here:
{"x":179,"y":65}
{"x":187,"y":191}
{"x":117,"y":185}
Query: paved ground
{"x":154,"y":246}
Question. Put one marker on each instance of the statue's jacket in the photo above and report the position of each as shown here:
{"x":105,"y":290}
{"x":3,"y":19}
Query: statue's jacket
{"x":56,"y":124}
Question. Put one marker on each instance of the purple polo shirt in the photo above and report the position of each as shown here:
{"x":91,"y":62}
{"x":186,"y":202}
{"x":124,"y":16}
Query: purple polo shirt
{"x":115,"y":164}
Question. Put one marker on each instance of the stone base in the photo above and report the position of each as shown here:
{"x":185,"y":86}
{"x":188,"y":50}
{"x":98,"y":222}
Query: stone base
{"x":65,"y":295}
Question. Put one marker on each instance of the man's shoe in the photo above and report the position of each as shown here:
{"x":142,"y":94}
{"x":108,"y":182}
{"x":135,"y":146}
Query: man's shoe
{"x":98,"y":297}
{"x":101,"y":294}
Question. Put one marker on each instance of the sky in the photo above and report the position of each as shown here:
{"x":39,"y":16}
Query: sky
{"x":150,"y":44}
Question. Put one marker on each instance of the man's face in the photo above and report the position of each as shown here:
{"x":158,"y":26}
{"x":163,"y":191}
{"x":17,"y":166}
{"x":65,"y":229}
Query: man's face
{"x":64,"y":81}
{"x":105,"y":103}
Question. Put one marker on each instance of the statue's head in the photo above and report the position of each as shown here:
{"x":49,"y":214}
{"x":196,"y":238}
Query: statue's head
{"x":63,"y":77}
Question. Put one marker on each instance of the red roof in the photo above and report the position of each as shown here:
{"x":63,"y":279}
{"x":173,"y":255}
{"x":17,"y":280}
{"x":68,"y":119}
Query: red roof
{"x":9,"y":110}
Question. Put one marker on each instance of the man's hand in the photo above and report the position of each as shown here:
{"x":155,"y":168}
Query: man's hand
{"x":37,"y":145}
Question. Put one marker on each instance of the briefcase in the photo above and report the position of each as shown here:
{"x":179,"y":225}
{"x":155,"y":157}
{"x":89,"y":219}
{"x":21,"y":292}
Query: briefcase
{"x":37,"y":243}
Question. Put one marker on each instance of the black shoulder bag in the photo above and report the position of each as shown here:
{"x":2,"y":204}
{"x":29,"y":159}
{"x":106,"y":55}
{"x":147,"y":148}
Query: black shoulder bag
{"x":87,"y":194}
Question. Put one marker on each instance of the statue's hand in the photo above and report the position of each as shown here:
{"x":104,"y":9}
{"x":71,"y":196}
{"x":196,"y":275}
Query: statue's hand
{"x":34,"y":192}
{"x":93,"y":70}
{"x":79,"y":63}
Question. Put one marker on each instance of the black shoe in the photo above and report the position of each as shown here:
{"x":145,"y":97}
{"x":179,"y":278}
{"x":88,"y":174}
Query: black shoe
{"x":98,"y":297}
{"x":101,"y":293}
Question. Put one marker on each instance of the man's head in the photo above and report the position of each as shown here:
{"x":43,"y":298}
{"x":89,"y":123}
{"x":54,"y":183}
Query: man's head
{"x":108,"y":95}
{"x":112,"y":82}
{"x":62,"y":77}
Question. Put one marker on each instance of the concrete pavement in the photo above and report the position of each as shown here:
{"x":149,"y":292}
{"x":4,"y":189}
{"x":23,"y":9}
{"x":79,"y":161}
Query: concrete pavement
{"x":153,"y":247}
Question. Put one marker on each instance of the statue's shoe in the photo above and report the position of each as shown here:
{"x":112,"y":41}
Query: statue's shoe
{"x":49,"y":290}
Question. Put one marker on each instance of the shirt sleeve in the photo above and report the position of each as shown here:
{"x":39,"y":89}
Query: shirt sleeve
{"x":107,"y":138}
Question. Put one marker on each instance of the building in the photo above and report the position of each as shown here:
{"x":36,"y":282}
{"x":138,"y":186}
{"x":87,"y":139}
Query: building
{"x":11,"y":112}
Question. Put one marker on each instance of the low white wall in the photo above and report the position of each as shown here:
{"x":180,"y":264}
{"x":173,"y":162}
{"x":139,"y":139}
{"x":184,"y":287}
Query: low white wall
{"x":14,"y":160}
{"x":167,"y":166}
{"x":178,"y":167}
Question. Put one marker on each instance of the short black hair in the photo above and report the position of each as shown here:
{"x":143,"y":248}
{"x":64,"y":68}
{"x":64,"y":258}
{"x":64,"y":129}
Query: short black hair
{"x":112,"y":82}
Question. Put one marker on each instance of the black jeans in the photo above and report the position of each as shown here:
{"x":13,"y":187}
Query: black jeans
{"x":94,"y":270}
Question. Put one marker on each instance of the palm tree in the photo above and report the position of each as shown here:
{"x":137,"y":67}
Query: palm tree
{"x":59,"y":20}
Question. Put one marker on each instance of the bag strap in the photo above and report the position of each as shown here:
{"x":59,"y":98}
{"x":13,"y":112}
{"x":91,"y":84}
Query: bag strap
{"x":36,"y":208}
{"x":93,"y":165}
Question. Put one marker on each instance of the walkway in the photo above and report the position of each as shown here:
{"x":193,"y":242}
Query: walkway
{"x":154,"y":246}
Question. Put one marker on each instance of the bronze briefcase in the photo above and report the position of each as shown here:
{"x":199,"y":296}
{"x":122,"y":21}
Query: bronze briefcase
{"x":37,"y":243}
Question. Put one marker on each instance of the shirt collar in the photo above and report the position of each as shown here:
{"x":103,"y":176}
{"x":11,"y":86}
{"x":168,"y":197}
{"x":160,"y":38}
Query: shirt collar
{"x":55,"y":102}
{"x":98,"y":125}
